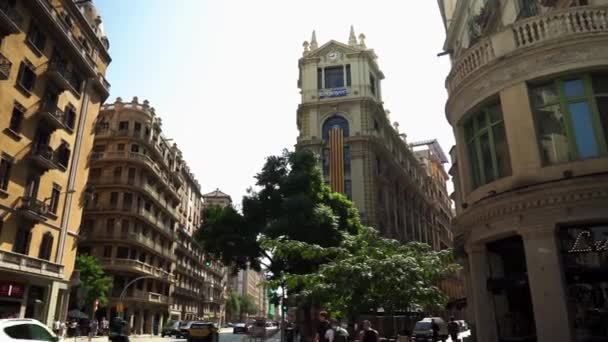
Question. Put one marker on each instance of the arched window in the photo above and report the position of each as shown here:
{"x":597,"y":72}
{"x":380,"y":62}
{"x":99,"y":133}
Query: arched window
{"x":335,"y":122}
{"x":46,"y":246}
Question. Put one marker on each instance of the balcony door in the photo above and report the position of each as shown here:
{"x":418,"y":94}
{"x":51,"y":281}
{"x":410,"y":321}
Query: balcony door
{"x":32,"y":185}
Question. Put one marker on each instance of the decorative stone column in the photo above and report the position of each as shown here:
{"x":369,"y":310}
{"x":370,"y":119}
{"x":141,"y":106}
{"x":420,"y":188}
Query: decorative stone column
{"x":485,"y":317}
{"x":148,"y":329}
{"x":546,"y":283}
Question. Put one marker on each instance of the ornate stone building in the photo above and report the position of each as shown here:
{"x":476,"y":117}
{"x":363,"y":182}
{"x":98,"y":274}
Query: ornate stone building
{"x":528,"y":102}
{"x":53,"y":58}
{"x":139,"y":220}
{"x":363,"y":155}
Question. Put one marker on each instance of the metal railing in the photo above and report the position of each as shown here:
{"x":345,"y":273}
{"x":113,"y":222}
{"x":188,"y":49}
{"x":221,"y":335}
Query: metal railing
{"x":5,"y":67}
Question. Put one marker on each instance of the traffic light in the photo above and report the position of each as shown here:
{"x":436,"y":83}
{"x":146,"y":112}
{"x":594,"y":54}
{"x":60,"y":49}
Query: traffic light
{"x":285,"y":308}
{"x":207,"y":263}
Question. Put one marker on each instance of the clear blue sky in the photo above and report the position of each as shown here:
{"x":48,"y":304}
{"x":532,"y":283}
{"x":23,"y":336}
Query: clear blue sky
{"x":222,"y":74}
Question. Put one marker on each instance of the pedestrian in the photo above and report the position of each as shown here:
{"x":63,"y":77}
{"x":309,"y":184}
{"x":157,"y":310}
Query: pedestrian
{"x":56,"y":326}
{"x":322,"y":327}
{"x":93,"y":327}
{"x":435,"y":328}
{"x":453,"y":329}
{"x":72,"y":328}
{"x":336,"y":333}
{"x":368,"y":334}
{"x":63,"y":328}
{"x":105,"y":325}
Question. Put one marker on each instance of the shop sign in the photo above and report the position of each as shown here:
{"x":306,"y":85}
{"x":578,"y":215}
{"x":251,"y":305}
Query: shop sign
{"x":585,"y":243}
{"x":334,"y":92}
{"x":12,"y":290}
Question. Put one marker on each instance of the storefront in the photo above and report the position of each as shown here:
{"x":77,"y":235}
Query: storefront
{"x":584,"y":250}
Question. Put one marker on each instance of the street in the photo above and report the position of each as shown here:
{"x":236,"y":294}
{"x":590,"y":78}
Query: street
{"x":226,"y":335}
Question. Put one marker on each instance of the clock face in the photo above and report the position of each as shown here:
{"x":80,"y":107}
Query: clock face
{"x":333,"y":55}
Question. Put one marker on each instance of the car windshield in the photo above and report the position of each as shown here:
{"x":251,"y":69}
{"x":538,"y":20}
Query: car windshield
{"x":200,"y":325}
{"x":183,"y":324}
{"x":423,"y":326}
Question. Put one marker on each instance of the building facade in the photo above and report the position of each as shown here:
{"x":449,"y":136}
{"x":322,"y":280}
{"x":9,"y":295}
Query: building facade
{"x":528,"y":105}
{"x":363,"y":155}
{"x":249,"y":283}
{"x":53,"y":58}
{"x":139,"y":220}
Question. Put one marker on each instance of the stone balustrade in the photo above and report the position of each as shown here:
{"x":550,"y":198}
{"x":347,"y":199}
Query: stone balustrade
{"x":30,"y":265}
{"x":534,"y":31}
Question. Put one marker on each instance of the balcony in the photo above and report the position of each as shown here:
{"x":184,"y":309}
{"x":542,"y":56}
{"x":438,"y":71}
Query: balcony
{"x":131,"y":237}
{"x":5,"y":68}
{"x":10,"y":19}
{"x":136,"y":266}
{"x":53,"y":116}
{"x":102,"y":84}
{"x":34,"y":209}
{"x":181,"y":291}
{"x":24,"y":264}
{"x":573,"y":23}
{"x":48,"y":15}
{"x":59,"y":73}
{"x":42,"y":155}
{"x":142,"y":296}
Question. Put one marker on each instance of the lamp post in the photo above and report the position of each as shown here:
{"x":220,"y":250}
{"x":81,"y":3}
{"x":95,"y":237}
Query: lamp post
{"x":124,"y":291}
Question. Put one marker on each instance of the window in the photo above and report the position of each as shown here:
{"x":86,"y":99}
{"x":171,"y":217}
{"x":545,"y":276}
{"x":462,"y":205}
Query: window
{"x":46,"y":246}
{"x":16,"y":118}
{"x":122,"y":253}
{"x":99,"y":148}
{"x":124,"y":226}
{"x":487,"y":146}
{"x":335,"y":121}
{"x":36,"y":38}
{"x":63,"y":155}
{"x":348,"y":189}
{"x":120,"y":147}
{"x":110,"y":226}
{"x":26,"y":78}
{"x":6,"y":163}
{"x":117,"y":173}
{"x":325,"y":161}
{"x":319,"y":78}
{"x":22,"y":240}
{"x":28,"y":332}
{"x":107,"y":252}
{"x":113,"y":199}
{"x":135,"y":148}
{"x":347,"y":159}
{"x":123,"y":126}
{"x":55,"y":198}
{"x":334,"y":77}
{"x":571,"y":117}
{"x":348,"y":81}
{"x":137,"y":128}
{"x":372,"y":83}
{"x":127,"y":201}
{"x":70,"y":117}
{"x":131,"y":175}
{"x":95,"y":173}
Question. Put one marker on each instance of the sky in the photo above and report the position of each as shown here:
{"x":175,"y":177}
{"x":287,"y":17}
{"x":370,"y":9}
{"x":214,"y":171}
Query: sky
{"x":222,"y":74}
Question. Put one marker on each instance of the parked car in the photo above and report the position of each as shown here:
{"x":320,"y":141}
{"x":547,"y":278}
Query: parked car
{"x":271,"y":328}
{"x":171,"y":329}
{"x":25,"y":329}
{"x":184,"y":327}
{"x":423,"y":329}
{"x":239,"y":328}
{"x":203,"y":332}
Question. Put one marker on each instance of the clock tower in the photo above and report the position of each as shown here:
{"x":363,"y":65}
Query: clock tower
{"x":340,"y":114}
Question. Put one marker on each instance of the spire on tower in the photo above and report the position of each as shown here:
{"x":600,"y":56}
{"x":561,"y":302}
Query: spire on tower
{"x":305,"y":45}
{"x":313,"y":41}
{"x":352,"y":39}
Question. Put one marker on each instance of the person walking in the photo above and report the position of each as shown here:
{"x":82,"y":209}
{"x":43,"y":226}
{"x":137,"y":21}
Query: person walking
{"x":63,"y":329}
{"x":322,"y":327}
{"x":435,"y":328}
{"x":368,"y":334}
{"x":453,"y":329}
{"x":336,"y":333}
{"x":93,"y":327}
{"x":105,"y":326}
{"x":56,"y":326}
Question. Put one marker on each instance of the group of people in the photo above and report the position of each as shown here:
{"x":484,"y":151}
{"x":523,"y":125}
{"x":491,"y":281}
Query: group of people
{"x":333,"y":331}
{"x":72,"y":328}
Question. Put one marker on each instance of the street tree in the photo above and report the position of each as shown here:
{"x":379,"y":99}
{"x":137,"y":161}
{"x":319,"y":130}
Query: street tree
{"x":368,"y":272}
{"x":233,"y":305}
{"x":290,"y":202}
{"x":248,"y":305}
{"x":95,"y":283}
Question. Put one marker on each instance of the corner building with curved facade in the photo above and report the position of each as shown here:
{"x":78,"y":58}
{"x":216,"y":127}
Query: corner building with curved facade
{"x":362,"y":154}
{"x":528,"y":103}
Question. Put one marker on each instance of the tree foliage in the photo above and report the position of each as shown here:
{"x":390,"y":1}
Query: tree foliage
{"x":248,"y":305}
{"x":367,"y":272}
{"x":290,"y":202}
{"x":233,"y":304}
{"x":95,"y":282}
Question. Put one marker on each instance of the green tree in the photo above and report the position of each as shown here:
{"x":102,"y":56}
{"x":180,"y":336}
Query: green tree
{"x":95,"y":283}
{"x":290,"y":202}
{"x":233,"y":305}
{"x":248,"y":305}
{"x":367,"y":272}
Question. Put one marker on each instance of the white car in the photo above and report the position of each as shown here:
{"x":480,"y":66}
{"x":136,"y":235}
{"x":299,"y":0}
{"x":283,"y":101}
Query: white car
{"x":25,"y":329}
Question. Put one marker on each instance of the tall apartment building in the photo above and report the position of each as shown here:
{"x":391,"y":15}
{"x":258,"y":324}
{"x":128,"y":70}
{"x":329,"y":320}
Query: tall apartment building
{"x":53,"y":58}
{"x":249,"y":282}
{"x":528,"y":103}
{"x":363,"y":155}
